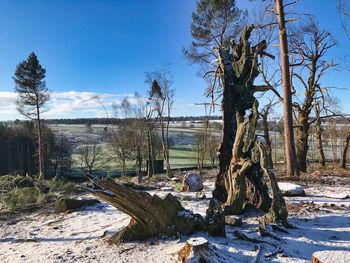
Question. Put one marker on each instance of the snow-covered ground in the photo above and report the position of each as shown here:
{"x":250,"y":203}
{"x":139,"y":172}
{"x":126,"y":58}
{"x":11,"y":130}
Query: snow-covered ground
{"x":322,"y":221}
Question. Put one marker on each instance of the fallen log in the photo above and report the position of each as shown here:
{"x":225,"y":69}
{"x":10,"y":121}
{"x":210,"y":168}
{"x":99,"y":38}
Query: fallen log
{"x":152,"y":216}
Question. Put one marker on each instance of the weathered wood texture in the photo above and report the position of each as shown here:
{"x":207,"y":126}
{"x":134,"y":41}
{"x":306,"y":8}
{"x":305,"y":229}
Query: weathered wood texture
{"x":239,"y":182}
{"x":199,"y":250}
{"x":152,"y":216}
{"x":278,"y":208}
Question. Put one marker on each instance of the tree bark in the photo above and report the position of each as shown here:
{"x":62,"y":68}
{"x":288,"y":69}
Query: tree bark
{"x":124,"y":166}
{"x":239,"y":181}
{"x":345,"y":151}
{"x":40,"y":146}
{"x":278,"y":207}
{"x":150,"y":170}
{"x":29,"y":162}
{"x":302,"y":141}
{"x":321,"y":156}
{"x":290,"y":154}
{"x":228,"y":107}
{"x":199,"y":250}
{"x":268,"y":147}
{"x":165,"y":147}
{"x":152,"y":216}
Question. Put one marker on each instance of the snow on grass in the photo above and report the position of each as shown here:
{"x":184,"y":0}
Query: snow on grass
{"x":79,"y":236}
{"x":328,"y":256}
{"x":289,"y":189}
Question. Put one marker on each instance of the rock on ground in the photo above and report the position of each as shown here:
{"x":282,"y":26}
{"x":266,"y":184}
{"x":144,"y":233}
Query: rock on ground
{"x":193,"y":182}
{"x":63,"y":205}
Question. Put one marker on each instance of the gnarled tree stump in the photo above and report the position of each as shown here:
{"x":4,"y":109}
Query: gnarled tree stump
{"x":239,"y":182}
{"x":152,"y":216}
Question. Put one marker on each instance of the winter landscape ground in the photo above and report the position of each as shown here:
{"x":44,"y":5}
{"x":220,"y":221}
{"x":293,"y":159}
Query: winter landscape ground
{"x":321,"y":219}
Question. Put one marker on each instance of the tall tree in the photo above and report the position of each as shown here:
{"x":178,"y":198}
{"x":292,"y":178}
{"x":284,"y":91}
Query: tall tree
{"x":310,"y":45}
{"x":161,"y":96}
{"x":214,"y":24}
{"x":290,"y":154}
{"x":232,"y":71}
{"x":33,"y":94}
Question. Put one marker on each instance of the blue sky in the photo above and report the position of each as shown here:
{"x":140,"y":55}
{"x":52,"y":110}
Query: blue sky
{"x":104,"y":47}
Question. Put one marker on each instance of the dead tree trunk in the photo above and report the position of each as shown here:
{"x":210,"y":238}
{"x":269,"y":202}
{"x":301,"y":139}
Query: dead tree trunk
{"x":152,"y":216}
{"x":228,"y":107}
{"x":345,"y":151}
{"x":278,"y":207}
{"x":239,"y":182}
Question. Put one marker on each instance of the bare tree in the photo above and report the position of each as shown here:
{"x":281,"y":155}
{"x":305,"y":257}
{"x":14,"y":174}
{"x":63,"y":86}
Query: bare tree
{"x":122,"y":146}
{"x":140,"y":125}
{"x":161,"y":97}
{"x":59,"y":155}
{"x":213,"y":144}
{"x":90,"y":156}
{"x":33,"y":95}
{"x":310,"y":46}
{"x":128,"y":139}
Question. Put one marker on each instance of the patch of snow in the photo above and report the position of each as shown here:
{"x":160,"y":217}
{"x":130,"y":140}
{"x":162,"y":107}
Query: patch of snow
{"x":290,"y":189}
{"x":330,"y":256}
{"x":79,"y":236}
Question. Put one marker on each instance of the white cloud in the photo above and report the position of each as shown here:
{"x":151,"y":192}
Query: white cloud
{"x":80,"y":104}
{"x":68,"y":104}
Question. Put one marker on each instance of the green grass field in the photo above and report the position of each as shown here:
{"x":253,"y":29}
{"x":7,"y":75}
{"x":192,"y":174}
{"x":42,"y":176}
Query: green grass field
{"x":181,"y":156}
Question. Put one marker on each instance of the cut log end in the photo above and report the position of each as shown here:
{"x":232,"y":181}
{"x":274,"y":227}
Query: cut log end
{"x":198,"y":250}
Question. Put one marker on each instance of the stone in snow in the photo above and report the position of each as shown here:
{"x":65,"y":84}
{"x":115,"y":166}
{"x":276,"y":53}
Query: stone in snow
{"x":193,"y":182}
{"x":289,"y":189}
